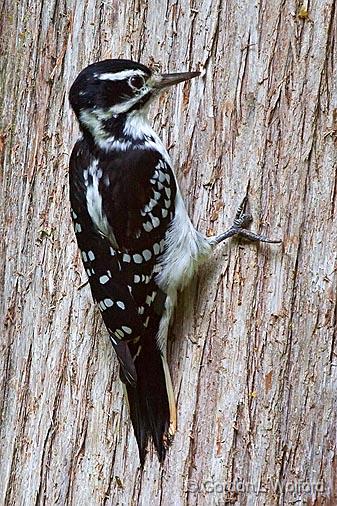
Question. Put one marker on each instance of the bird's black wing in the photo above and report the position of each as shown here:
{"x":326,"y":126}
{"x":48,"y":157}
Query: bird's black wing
{"x":121,"y":238}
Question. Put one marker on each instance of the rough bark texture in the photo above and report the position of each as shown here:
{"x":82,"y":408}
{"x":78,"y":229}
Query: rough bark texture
{"x":254,"y":359}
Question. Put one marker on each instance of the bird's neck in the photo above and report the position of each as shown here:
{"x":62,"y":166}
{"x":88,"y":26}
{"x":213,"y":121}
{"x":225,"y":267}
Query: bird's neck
{"x":117,"y":132}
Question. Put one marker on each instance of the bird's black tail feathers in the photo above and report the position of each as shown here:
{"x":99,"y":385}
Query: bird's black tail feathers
{"x":151,"y":400}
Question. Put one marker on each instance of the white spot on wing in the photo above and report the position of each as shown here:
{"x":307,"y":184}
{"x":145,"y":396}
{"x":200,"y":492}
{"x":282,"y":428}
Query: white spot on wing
{"x":147,"y":226}
{"x":155,"y":221}
{"x":161,"y":176}
{"x":147,"y":254}
{"x":138,"y":259}
{"x":150,"y":298}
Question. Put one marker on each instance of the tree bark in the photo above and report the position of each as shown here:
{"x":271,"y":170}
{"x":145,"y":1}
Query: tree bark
{"x":253,"y":349}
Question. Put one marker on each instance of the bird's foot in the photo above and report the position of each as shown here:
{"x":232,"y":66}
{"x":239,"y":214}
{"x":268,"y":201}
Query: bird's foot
{"x":239,"y":228}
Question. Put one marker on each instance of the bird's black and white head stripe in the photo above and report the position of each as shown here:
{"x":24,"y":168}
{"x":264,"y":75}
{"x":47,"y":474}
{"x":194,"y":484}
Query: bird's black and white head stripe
{"x":111,"y":85}
{"x":105,"y":94}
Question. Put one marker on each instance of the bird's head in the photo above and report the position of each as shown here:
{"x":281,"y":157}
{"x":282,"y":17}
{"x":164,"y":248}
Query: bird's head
{"x":108,"y":90}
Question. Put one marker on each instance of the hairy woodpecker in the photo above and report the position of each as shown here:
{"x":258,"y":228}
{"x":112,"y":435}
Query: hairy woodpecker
{"x":137,"y":242}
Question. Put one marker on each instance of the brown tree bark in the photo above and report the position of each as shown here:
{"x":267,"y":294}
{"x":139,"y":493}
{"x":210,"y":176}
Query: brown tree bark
{"x":253,"y":358}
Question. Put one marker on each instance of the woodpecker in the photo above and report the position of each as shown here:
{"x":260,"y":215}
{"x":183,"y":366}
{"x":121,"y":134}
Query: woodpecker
{"x":137,"y":243}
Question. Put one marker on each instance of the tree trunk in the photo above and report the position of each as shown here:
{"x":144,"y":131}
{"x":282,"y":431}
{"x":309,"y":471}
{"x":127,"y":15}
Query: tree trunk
{"x":253,"y":350}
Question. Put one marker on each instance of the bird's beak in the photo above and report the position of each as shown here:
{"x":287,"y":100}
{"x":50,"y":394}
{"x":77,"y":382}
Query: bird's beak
{"x":161,"y":81}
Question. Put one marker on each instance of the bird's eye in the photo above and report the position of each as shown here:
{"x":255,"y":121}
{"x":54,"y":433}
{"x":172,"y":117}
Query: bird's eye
{"x":136,"y":82}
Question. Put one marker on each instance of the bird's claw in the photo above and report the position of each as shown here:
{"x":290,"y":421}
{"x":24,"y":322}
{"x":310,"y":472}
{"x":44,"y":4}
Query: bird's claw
{"x":242,"y":220}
